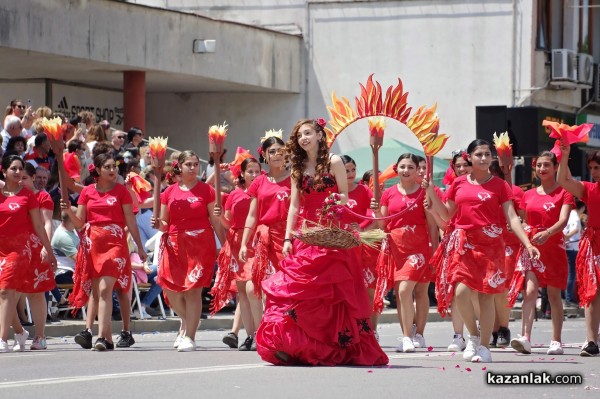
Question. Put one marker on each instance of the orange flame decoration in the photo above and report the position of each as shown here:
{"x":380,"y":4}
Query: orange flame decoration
{"x":158,"y":147}
{"x":217,"y":134}
{"x":376,"y":126}
{"x":502,"y":144}
{"x":53,"y":128}
{"x":424,"y":123}
{"x":571,"y":134}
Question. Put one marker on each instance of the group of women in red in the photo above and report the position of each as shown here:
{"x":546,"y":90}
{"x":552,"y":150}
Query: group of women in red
{"x":312,"y":304}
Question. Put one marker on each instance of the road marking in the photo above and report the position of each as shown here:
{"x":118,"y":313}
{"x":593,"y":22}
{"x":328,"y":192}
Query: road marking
{"x":150,"y":373}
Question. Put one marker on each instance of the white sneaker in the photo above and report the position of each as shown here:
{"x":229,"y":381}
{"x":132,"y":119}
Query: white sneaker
{"x":4,"y":346}
{"x":20,"y":340}
{"x":521,"y":344}
{"x":555,"y":348}
{"x":418,"y":341}
{"x":400,"y":347}
{"x":458,"y":344}
{"x":178,"y":341}
{"x":186,"y":345}
{"x":407,"y":345}
{"x":473,"y":345}
{"x":483,"y":355}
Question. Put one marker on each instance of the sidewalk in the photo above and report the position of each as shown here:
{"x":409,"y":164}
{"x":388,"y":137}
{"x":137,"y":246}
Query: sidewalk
{"x":68,"y":328}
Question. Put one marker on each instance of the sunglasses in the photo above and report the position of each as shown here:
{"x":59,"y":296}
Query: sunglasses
{"x":121,"y":137}
{"x":20,"y":106}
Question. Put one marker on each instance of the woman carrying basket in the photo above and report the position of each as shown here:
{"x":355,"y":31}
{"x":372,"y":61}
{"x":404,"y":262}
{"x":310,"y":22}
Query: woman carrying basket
{"x":317,"y":310}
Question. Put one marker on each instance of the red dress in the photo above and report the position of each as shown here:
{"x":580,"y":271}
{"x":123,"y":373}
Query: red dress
{"x":17,"y":240}
{"x":587,"y":264}
{"x":188,"y":250}
{"x":103,"y":250}
{"x":317,"y":309}
{"x":230,"y":267}
{"x":407,"y":250}
{"x":543,"y":211}
{"x":474,"y":252}
{"x":512,"y":245}
{"x":273,"y":203}
{"x":359,"y":201}
{"x":39,"y":277}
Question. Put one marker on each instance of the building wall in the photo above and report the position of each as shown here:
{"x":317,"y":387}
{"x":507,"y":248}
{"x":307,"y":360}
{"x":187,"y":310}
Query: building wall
{"x":185,"y":118}
{"x":458,"y":53}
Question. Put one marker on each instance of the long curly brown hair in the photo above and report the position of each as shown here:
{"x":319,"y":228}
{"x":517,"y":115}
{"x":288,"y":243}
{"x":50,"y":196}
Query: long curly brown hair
{"x":298,"y":156}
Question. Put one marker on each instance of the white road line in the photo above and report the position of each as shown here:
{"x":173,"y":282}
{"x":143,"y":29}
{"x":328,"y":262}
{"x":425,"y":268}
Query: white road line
{"x":150,"y":373}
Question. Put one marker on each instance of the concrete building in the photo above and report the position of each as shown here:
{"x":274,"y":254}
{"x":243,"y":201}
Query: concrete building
{"x":489,"y":64}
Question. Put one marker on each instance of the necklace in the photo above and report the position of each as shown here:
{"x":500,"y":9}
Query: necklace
{"x":474,"y":181}
{"x":10,"y":193}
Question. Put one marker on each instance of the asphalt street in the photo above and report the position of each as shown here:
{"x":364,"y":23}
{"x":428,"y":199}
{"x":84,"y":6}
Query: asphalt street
{"x":152,"y":369}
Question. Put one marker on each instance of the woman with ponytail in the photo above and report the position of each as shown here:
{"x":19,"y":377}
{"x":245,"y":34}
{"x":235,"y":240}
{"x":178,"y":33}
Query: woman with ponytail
{"x":21,"y":233}
{"x":38,"y":278}
{"x":230,"y":267}
{"x":190,"y":218}
{"x":103,"y":264}
{"x":269,"y":203}
{"x":404,"y":261}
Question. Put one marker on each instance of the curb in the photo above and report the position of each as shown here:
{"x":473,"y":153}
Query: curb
{"x":69,"y":328}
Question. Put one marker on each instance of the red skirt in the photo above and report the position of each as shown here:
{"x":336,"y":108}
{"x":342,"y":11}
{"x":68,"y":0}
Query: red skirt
{"x":369,"y":257}
{"x":587,"y":265}
{"x":103,"y":252}
{"x":405,"y":256}
{"x":474,"y":257}
{"x":317,"y":311}
{"x":38,"y":277}
{"x":512,"y":245}
{"x":268,"y":253}
{"x":187,"y":260}
{"x":229,"y":270}
{"x":14,"y":261}
{"x":551,"y":269}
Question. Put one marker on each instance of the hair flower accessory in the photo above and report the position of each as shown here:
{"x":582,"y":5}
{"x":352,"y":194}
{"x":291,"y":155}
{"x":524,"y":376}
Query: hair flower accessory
{"x":465,"y":156}
{"x":259,"y":150}
{"x":321,"y":122}
{"x":91,"y":168}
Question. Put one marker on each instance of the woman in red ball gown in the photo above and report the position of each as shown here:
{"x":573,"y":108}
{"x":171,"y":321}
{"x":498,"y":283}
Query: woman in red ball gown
{"x":317,"y":308}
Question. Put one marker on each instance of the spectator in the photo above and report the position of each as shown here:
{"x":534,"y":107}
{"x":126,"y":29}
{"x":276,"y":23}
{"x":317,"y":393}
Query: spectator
{"x":12,"y":128}
{"x":88,"y":118}
{"x":40,"y":180}
{"x":39,"y":154}
{"x":17,"y":145}
{"x":95,"y":134}
{"x":65,"y":242}
{"x":145,"y":160}
{"x":135,"y":139}
{"x":118,"y":141}
{"x":44,"y":112}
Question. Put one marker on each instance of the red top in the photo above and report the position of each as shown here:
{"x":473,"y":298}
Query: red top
{"x":273,"y":199}
{"x":105,"y":207}
{"x":45,"y":200}
{"x":543,"y":210}
{"x":517,"y":201}
{"x":14,"y":212}
{"x":396,"y":202}
{"x":591,"y":197}
{"x":238,"y":203}
{"x":188,"y":210}
{"x":39,"y":159}
{"x":359,"y":201}
{"x":478,"y":205}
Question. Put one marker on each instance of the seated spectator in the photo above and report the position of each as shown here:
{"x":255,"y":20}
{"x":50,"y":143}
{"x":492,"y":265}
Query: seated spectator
{"x":65,"y":242}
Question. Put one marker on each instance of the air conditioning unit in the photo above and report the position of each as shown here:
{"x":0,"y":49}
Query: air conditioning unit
{"x":564,"y":65}
{"x":585,"y":69}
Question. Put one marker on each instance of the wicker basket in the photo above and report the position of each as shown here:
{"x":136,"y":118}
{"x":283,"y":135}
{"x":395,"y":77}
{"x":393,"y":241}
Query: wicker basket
{"x":330,"y":237}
